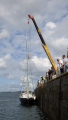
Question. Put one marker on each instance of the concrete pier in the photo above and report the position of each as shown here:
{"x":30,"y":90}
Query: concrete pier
{"x":52,"y":98}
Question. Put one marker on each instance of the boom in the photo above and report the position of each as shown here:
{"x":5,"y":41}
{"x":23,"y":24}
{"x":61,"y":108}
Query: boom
{"x":44,"y":44}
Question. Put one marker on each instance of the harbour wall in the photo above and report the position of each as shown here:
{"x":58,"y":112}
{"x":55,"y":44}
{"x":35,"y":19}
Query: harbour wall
{"x":52,"y":97}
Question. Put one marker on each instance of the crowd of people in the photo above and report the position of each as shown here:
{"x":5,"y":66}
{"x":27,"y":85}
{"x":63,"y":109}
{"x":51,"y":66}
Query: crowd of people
{"x":62,"y":66}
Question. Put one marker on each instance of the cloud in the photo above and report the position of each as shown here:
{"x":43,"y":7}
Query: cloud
{"x":51,"y":25}
{"x":4,"y":34}
{"x":11,"y":87}
{"x":2,"y":63}
{"x":36,"y":64}
{"x":9,"y":76}
{"x":40,"y":62}
{"x":7,"y":57}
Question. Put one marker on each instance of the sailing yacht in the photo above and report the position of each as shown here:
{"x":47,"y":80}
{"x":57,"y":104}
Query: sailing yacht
{"x":27,"y":97}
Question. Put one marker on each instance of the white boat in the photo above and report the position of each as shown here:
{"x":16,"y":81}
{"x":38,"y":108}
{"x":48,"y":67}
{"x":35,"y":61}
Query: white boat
{"x":27,"y":97}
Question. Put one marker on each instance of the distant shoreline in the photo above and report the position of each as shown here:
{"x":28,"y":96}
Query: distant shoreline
{"x":10,"y":92}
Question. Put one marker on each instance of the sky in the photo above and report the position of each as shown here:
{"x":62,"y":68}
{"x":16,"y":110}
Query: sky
{"x":51,"y":17}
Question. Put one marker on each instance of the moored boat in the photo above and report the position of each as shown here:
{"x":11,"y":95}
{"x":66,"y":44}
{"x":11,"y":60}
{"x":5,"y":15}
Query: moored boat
{"x":27,"y":99}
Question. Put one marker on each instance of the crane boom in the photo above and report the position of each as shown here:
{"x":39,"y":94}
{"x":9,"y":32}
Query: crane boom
{"x":44,"y":44}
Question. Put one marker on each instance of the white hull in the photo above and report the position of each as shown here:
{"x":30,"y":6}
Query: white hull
{"x":27,"y":99}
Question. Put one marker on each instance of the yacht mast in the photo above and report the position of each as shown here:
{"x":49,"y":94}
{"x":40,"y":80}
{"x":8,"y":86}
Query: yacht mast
{"x":27,"y":68}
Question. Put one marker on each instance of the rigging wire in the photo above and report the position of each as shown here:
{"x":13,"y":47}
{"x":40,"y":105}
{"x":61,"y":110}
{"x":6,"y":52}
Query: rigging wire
{"x":26,"y":68}
{"x":29,"y":57}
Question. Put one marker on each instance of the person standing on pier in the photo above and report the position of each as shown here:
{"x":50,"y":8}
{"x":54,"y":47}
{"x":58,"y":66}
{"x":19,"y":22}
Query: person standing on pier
{"x":43,"y":79}
{"x":47,"y":76}
{"x":60,"y":66}
{"x":65,"y":63}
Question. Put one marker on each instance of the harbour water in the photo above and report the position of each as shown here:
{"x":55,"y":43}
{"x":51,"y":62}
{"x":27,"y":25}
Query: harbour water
{"x":11,"y":109}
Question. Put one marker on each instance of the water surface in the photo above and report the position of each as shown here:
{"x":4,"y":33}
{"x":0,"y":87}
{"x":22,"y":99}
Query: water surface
{"x":11,"y":109}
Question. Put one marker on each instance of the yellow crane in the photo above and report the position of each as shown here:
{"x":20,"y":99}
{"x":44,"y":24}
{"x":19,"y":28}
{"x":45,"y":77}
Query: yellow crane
{"x":44,"y":44}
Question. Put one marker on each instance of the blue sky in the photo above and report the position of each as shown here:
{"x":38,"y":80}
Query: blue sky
{"x":51,"y":17}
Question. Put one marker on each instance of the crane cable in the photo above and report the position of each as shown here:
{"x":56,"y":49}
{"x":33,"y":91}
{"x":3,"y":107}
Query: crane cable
{"x":30,"y":50}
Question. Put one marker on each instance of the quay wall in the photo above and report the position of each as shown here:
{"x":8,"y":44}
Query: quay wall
{"x":52,"y":98}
